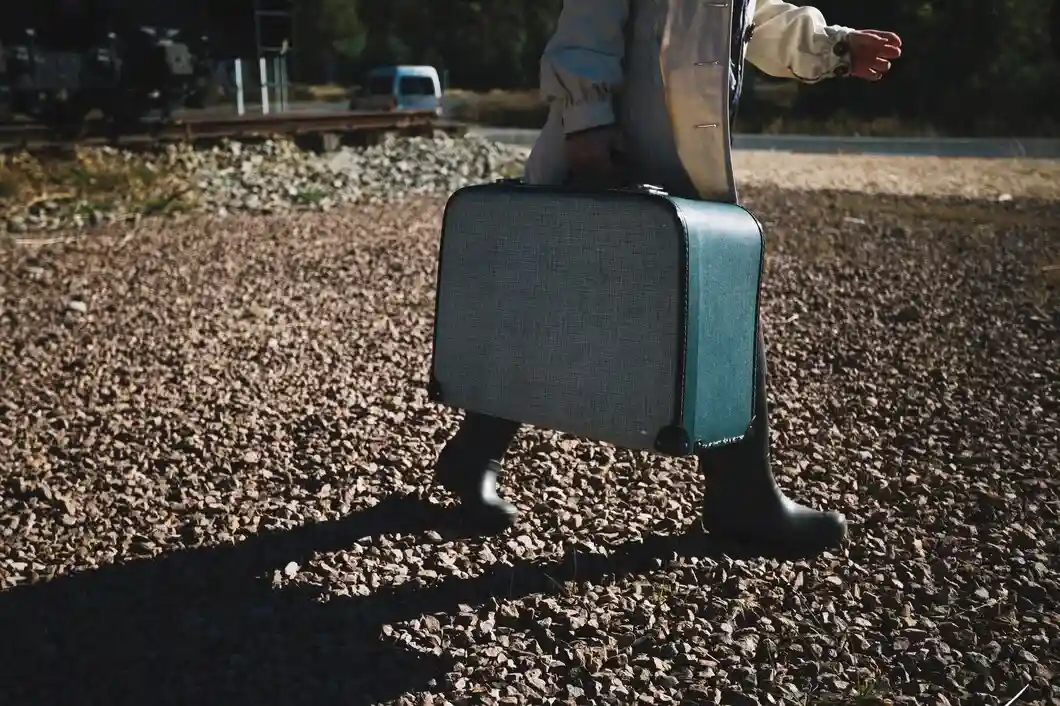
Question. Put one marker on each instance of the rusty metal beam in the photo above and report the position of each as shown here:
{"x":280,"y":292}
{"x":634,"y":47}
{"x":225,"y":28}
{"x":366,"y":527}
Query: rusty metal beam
{"x":14,"y":135}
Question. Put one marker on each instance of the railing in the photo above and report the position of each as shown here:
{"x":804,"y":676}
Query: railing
{"x":277,"y":84}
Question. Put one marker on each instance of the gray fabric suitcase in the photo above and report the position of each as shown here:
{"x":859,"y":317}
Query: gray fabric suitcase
{"x":623,"y":316}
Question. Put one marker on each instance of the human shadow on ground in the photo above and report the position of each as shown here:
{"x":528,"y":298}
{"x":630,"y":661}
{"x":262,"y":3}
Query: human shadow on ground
{"x":206,"y":626}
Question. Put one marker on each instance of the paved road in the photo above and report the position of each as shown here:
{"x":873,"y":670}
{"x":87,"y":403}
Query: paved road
{"x":911,"y":146}
{"x":941,"y":147}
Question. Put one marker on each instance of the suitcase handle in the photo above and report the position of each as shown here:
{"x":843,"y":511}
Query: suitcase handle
{"x":640,"y":188}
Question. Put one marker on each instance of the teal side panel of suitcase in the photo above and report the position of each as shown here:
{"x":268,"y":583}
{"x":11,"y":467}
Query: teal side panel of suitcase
{"x":725,"y":259}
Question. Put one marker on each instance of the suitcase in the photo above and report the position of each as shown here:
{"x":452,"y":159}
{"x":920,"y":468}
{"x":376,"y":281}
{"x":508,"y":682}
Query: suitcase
{"x":624,"y":316}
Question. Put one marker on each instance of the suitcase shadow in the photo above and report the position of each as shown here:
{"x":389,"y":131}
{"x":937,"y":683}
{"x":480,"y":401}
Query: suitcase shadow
{"x":639,"y":557}
{"x":638,"y":553}
{"x":220,"y":625}
{"x":211,"y":626}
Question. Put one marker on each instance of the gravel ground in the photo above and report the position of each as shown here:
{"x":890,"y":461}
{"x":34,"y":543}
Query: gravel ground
{"x":215,"y":477}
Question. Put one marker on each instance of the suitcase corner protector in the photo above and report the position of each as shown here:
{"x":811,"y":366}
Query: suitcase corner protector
{"x":673,"y":441}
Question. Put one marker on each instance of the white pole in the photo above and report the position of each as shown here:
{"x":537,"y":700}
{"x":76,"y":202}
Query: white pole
{"x":239,"y":87}
{"x":263,"y":69}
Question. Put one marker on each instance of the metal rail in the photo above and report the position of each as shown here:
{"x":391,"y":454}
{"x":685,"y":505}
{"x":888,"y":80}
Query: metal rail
{"x":35,"y":135}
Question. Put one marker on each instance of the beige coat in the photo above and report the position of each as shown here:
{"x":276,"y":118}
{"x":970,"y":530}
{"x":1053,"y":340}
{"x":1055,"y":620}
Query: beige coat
{"x":660,"y":68}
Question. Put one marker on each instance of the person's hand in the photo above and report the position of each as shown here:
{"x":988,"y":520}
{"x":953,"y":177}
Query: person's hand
{"x":596,"y":157}
{"x":871,"y":53}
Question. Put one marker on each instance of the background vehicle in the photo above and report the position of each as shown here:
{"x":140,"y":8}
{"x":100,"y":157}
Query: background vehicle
{"x":123,"y":74}
{"x":126,"y":60}
{"x":400,"y":88}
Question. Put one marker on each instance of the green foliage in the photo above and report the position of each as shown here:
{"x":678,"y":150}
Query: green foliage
{"x":327,"y":31}
{"x":969,"y":66}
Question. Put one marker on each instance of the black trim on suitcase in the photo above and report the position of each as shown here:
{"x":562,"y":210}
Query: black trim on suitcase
{"x":674,"y":440}
{"x":434,"y":388}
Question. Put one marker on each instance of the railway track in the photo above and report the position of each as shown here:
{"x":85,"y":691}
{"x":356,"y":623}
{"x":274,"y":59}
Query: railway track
{"x":327,"y":128}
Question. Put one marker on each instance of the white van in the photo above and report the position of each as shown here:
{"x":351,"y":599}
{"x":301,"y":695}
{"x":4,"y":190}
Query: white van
{"x":400,"y":88}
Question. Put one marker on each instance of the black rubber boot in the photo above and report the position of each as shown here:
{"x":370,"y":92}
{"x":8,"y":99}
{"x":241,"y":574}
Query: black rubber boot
{"x":469,"y":467}
{"x":742,"y":501}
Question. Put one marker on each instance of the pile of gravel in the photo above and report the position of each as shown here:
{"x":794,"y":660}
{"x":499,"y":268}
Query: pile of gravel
{"x":275,"y":176}
{"x":215,"y":453}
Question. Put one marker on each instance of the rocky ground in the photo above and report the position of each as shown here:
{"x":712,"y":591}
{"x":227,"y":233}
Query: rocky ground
{"x":215,"y":452}
{"x":104,"y":185}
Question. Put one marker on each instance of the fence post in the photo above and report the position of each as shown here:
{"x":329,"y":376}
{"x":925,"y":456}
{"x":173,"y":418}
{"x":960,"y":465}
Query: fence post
{"x":263,"y":70}
{"x":240,"y":109}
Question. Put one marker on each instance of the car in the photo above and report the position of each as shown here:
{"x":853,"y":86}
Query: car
{"x":400,"y":88}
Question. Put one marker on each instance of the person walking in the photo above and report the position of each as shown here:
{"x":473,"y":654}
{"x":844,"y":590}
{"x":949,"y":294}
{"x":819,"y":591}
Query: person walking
{"x":645,"y":91}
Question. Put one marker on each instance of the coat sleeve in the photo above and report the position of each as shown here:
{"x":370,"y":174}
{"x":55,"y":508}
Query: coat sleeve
{"x":581,"y":67}
{"x":792,"y":41}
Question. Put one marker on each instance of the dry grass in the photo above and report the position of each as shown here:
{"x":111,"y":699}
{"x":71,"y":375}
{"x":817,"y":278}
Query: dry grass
{"x":979,"y":178}
{"x":998,"y":189}
{"x":839,"y":124}
{"x":768,"y":111}
{"x":521,"y":109}
{"x":92,"y":178}
{"x":324,"y":93}
{"x":525,"y":109}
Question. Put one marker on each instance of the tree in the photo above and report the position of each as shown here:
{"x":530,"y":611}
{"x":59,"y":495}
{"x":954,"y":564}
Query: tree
{"x":968,"y":65}
{"x":327,"y":32}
